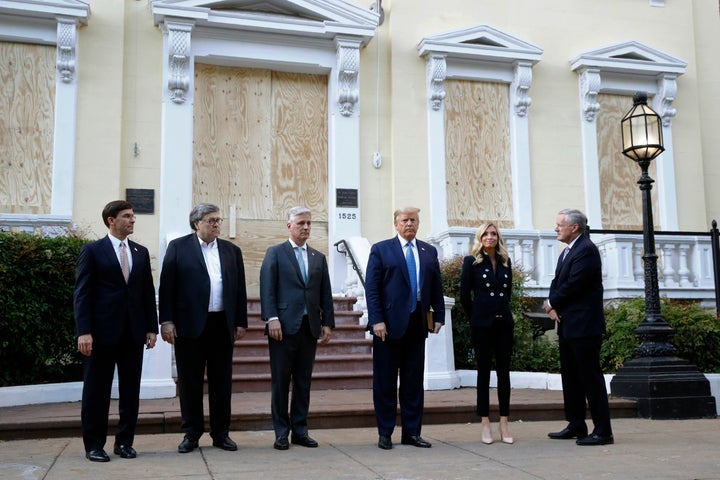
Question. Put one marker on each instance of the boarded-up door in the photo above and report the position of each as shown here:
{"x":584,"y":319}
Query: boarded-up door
{"x":260,"y":145}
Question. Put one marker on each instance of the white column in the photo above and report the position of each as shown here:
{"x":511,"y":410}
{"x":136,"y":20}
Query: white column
{"x":176,"y":166}
{"x":63,"y":172}
{"x":589,"y":89}
{"x":667,"y":216}
{"x":440,"y":373}
{"x":344,"y":156}
{"x":436,"y":68}
{"x":520,"y":146}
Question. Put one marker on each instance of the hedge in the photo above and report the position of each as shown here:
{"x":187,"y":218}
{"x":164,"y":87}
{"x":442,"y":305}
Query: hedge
{"x":37,"y":330}
{"x":697,"y":331}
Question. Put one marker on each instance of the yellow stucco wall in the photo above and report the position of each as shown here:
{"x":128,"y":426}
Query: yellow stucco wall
{"x":119,"y":104}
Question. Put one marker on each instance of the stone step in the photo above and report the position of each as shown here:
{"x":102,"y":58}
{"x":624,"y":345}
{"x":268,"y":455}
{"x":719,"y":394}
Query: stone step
{"x":344,"y":363}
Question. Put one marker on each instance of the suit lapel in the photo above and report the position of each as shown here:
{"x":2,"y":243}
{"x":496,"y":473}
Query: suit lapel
{"x":398,"y":246}
{"x":313,"y":260}
{"x":107,"y":249}
{"x":197,"y":251}
{"x":136,"y":259}
{"x":423,"y":258}
{"x":290,"y":252}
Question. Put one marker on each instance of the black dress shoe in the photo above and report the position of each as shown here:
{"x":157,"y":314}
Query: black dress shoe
{"x":281,"y":443}
{"x":225,"y":443}
{"x":304,"y":440}
{"x":125,"y":451}
{"x":97,"y":456}
{"x":568,"y":433}
{"x":595,"y":439}
{"x":187,"y":445}
{"x":385,"y":442}
{"x":415,"y":441}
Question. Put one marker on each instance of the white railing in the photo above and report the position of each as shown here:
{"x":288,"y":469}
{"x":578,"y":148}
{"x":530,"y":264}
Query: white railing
{"x":45,"y":225}
{"x":685,"y":264}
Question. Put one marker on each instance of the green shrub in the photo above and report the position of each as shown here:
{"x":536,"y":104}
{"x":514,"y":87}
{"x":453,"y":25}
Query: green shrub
{"x":530,"y":352}
{"x":37,"y":330}
{"x":697,"y":333}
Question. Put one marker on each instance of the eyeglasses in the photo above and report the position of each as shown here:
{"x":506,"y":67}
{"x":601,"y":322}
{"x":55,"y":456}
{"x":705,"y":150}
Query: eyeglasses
{"x":213,"y":221}
{"x":128,"y":216}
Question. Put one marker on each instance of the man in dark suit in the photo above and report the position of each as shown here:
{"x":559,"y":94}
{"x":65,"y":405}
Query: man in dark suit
{"x":114,"y":304}
{"x":296,"y":302}
{"x":575,"y":302}
{"x":203,"y":310}
{"x":402,"y":286}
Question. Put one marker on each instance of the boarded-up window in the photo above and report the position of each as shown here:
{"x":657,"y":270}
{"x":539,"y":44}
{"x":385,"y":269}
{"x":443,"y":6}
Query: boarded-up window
{"x":477,"y":154}
{"x":620,"y":197}
{"x":27,"y":98}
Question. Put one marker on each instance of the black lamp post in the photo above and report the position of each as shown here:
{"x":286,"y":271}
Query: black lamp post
{"x":664,"y":385}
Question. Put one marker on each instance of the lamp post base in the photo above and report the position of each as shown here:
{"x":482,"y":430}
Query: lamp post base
{"x":665,"y":388}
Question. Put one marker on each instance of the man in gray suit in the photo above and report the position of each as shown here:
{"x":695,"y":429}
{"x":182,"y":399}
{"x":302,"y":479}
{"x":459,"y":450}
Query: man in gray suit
{"x":296,"y":302}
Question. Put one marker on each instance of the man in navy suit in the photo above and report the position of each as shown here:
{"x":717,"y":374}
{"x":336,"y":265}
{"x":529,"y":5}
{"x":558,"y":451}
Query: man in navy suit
{"x":575,"y":302}
{"x":296,"y":302}
{"x":402,"y":286}
{"x":114,"y":306}
{"x":203,"y":310}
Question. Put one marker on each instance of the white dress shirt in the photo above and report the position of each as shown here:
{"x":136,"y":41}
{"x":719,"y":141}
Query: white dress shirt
{"x":212,"y":262}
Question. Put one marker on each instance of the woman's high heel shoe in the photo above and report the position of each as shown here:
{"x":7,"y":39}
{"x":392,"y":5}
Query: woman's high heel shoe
{"x":506,"y":438}
{"x":486,"y":435}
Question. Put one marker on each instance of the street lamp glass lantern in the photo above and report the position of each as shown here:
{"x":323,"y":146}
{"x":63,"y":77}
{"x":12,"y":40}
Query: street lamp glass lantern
{"x":642,"y":131}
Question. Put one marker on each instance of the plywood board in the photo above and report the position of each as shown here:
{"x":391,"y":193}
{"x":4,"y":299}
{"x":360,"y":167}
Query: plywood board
{"x":260,"y":146}
{"x":620,"y":196}
{"x":477,"y":154}
{"x":27,"y":98}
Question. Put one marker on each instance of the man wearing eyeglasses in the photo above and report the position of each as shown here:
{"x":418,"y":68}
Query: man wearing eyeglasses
{"x":575,"y":302}
{"x":114,"y":308}
{"x":203,"y":310}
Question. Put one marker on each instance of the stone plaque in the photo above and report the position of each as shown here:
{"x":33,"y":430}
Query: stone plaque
{"x":142,"y":199}
{"x":346,"y":197}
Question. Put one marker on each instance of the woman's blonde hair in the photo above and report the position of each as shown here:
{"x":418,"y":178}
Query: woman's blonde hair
{"x":477,"y":249}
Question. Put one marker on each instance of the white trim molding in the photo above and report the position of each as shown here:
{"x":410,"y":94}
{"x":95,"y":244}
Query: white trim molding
{"x":479,"y":53}
{"x":624,"y":69}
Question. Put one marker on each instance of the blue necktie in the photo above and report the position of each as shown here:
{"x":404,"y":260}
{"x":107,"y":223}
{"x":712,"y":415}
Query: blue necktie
{"x":301,"y":262}
{"x":410,"y":260}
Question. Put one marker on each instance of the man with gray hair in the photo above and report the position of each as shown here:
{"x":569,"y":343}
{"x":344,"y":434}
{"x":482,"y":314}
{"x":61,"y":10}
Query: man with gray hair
{"x":203,"y":310}
{"x":296,"y":302}
{"x":575,"y":302}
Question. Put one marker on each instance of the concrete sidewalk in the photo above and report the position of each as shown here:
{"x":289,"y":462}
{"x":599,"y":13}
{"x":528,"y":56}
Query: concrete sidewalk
{"x":656,"y":449}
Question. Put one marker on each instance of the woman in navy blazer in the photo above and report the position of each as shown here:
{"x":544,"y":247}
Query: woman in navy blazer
{"x":485,"y":290}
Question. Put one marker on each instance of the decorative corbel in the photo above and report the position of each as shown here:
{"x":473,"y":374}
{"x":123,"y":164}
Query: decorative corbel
{"x":348,"y":58}
{"x":436,"y":73}
{"x":66,"y":49}
{"x":522,"y":79}
{"x":667,"y":89}
{"x":589,"y":90}
{"x":179,"y":35}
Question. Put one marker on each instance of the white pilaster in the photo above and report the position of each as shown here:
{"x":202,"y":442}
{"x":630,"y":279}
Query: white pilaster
{"x":436,"y":68}
{"x":520,"y":101}
{"x":589,"y":107}
{"x":176,"y":135}
{"x":63,"y":172}
{"x":344,"y":156}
